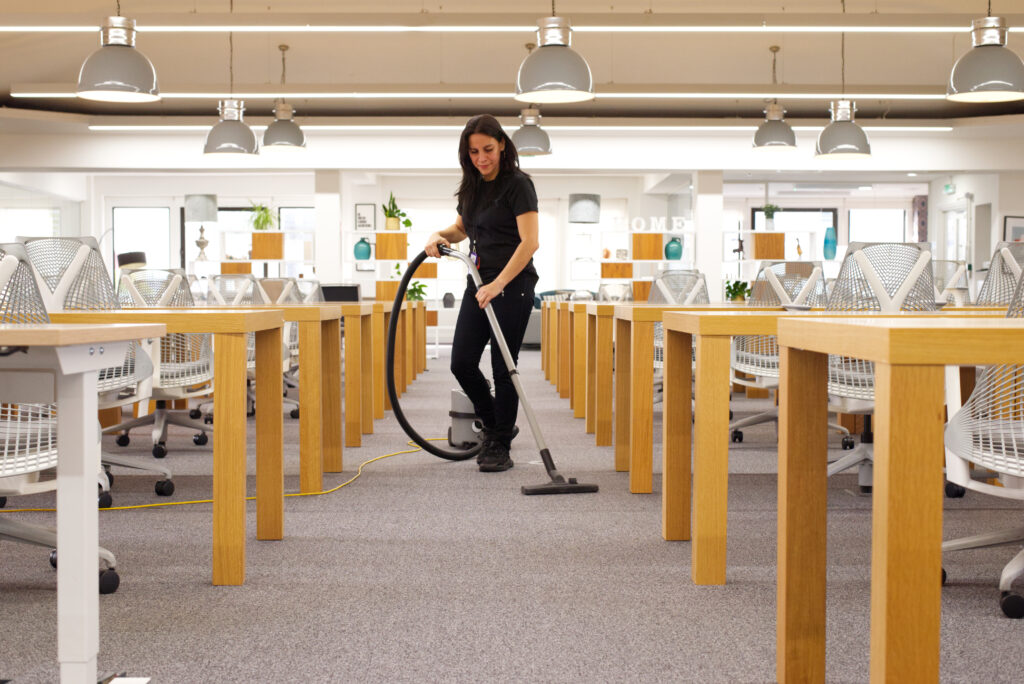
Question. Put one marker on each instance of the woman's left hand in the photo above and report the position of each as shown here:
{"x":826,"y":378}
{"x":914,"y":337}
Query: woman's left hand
{"x":485,"y":293}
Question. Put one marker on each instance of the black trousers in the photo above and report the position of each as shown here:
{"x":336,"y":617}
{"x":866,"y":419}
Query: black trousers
{"x":472,"y":333}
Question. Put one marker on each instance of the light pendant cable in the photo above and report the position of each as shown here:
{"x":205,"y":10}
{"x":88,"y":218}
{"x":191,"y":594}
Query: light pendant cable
{"x":284,"y":134}
{"x":990,"y":71}
{"x":117,"y":72}
{"x":231,"y":135}
{"x":774,"y":133}
{"x":554,"y":72}
{"x":842,"y":138}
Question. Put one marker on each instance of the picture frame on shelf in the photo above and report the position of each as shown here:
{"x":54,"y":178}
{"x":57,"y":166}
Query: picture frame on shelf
{"x":1013,"y":228}
{"x":366,"y":217}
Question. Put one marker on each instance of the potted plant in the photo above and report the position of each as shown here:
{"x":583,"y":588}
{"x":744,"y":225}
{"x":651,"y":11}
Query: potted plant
{"x":737,"y":290}
{"x":769,"y":215}
{"x":261,"y":217}
{"x":415,"y":291}
{"x":393,"y":216}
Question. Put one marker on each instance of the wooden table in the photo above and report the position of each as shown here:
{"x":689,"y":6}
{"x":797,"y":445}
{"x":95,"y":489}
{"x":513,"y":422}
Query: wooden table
{"x":906,"y":558}
{"x":230,"y":328}
{"x":634,"y":384}
{"x":599,"y":400}
{"x":65,"y":361}
{"x":359,"y":364}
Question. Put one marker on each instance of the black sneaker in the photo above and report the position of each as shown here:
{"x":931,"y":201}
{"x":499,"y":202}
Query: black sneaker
{"x":494,"y":457}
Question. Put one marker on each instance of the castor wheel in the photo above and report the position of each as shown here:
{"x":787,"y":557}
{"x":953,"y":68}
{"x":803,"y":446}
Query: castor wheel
{"x":110,"y":476}
{"x":737,"y":436}
{"x":294,"y":413}
{"x":730,"y":414}
{"x":208,"y":419}
{"x":164,"y":487}
{"x":195,"y":414}
{"x":1012,"y":605}
{"x":943,"y":576}
{"x":865,"y":489}
{"x":159,"y":450}
{"x":109,"y":581}
{"x":251,"y":411}
{"x":53,"y":558}
{"x":105,"y":500}
{"x":955,"y":491}
{"x":200,"y":438}
{"x":848,"y":443}
{"x":123,"y":440}
{"x":3,"y":501}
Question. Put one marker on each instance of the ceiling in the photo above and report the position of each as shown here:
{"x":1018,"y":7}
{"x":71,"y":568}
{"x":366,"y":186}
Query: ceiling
{"x":725,"y":74}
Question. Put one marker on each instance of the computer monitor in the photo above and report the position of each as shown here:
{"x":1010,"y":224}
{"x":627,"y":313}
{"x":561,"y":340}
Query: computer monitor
{"x":341,"y":293}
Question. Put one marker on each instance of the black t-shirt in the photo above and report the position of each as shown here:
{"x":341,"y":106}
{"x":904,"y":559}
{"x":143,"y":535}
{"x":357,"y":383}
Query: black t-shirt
{"x":491,"y":222}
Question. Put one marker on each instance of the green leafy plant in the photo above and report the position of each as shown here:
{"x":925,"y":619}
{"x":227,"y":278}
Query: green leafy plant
{"x":261,"y":217}
{"x":736,"y":290}
{"x":416,"y":291}
{"x":770,"y":210}
{"x":391,"y":210}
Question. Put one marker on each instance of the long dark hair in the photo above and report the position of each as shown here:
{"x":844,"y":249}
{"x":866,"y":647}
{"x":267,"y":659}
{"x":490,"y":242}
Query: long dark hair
{"x":470,"y":184}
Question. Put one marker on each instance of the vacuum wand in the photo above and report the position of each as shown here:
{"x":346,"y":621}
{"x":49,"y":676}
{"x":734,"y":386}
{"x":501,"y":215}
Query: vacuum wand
{"x":558,"y":484}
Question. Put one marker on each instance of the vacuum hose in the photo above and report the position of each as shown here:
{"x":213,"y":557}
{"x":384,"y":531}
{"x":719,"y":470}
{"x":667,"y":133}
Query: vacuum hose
{"x":396,"y":408}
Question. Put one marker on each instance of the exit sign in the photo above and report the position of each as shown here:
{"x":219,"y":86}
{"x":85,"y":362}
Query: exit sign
{"x":949,"y":189}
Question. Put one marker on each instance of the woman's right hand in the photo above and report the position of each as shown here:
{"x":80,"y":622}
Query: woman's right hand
{"x":433,"y":241}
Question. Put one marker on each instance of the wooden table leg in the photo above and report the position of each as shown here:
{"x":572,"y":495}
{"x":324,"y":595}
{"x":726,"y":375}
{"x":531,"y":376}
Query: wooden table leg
{"x":676,"y":412}
{"x":269,"y":436}
{"x":380,"y":402}
{"x":641,"y":408}
{"x":604,"y":382}
{"x":545,"y":348}
{"x":330,"y":363}
{"x":711,"y":461}
{"x":800,"y":601}
{"x":409,"y":346}
{"x":553,"y":343}
{"x":579,"y":365}
{"x":564,"y":351}
{"x":906,"y":550}
{"x":229,"y":457}
{"x":366,"y":400}
{"x":311,"y":464}
{"x":353,"y":380}
{"x":623,"y":339}
{"x":387,"y":396}
{"x":590,"y":380}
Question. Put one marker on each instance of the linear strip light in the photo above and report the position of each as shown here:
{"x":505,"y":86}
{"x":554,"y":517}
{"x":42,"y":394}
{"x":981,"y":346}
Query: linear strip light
{"x":445,"y":127}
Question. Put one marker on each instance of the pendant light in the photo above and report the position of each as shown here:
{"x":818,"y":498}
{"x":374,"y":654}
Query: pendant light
{"x":117,"y":72}
{"x":990,"y":71}
{"x":554,"y":72}
{"x":231,"y":135}
{"x":843,"y":139}
{"x":531,"y":140}
{"x":283,"y":134}
{"x":774,"y":133}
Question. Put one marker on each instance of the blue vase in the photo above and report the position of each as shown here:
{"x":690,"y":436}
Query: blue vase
{"x":673,"y":249}
{"x":362,"y":250}
{"x":829,"y":249}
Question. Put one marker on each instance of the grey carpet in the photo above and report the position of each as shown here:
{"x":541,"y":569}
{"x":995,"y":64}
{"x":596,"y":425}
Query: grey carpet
{"x":426,"y":570}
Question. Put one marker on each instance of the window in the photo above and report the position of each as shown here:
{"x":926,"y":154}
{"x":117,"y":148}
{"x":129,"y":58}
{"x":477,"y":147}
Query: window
{"x":299,"y":227}
{"x":147,"y":230}
{"x":877,"y":225}
{"x":41,"y":222}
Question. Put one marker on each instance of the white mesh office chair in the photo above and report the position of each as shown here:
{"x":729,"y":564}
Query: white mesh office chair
{"x":71,"y":276}
{"x":778,"y":283}
{"x":310,"y":290}
{"x":952,"y":284}
{"x":988,"y":431}
{"x":183,"y":364}
{"x":615,"y":292}
{"x":1003,"y":273}
{"x":679,"y":287}
{"x":28,"y":432}
{"x":875,"y":276}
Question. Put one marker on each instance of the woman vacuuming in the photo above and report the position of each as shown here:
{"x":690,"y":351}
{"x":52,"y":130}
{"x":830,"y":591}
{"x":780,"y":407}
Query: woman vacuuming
{"x":497,"y":212}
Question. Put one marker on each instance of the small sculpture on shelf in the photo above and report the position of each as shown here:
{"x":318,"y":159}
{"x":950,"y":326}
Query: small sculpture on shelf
{"x":202,"y":243}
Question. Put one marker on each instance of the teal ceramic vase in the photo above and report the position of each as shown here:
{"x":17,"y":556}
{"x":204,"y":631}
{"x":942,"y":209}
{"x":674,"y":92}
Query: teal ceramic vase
{"x":673,"y":249}
{"x":829,"y":249}
{"x":362,"y":250}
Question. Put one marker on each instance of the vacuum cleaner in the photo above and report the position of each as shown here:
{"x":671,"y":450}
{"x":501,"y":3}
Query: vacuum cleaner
{"x":458,"y":435}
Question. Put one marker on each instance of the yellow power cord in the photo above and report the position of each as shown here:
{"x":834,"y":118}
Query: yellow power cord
{"x":359,"y":471}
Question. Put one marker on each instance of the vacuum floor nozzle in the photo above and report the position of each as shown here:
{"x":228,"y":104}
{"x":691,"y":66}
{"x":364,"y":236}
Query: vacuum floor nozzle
{"x":570,"y":487}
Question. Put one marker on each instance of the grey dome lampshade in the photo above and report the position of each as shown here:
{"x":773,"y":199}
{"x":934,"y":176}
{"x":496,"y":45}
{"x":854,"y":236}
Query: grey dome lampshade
{"x":200,"y":208}
{"x":843,"y":139}
{"x":231,"y":135}
{"x":554,"y":72}
{"x":774,"y":133}
{"x":989,"y":72}
{"x":117,"y":72}
{"x":284,"y":133}
{"x":531,"y":140}
{"x":584,"y":208}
